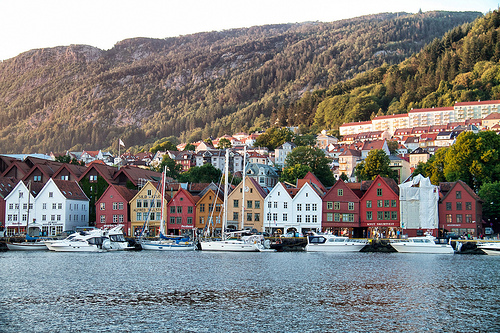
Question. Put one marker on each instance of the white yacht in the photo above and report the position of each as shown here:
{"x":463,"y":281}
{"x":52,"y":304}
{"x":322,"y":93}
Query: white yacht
{"x":492,"y":248}
{"x":115,"y":240}
{"x":95,"y":240}
{"x":26,"y":246}
{"x":332,"y":243}
{"x":423,"y":244}
{"x":169,"y":244}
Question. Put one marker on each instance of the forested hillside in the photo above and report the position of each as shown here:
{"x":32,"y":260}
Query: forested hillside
{"x":80,"y":97}
{"x":459,"y":67}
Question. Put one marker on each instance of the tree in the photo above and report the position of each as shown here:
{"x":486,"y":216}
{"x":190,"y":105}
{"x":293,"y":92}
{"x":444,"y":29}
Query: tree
{"x":393,"y":147}
{"x":206,"y":173}
{"x":305,"y":140}
{"x":190,"y":147}
{"x":376,"y":163}
{"x":314,"y":158}
{"x":292,"y":173}
{"x":224,"y":143}
{"x":344,"y":177}
{"x":490,"y":194}
{"x":173,"y":169}
{"x":273,"y":138}
{"x":164,"y":146}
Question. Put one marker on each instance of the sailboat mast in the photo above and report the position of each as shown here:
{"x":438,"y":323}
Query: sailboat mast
{"x":243,"y":189}
{"x":162,"y":223}
{"x":226,"y":188}
{"x":28,"y":212}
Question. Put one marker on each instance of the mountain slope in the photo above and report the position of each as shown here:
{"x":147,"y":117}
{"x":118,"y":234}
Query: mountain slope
{"x":80,"y":97}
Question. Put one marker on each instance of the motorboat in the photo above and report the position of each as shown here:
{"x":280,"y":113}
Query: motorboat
{"x":492,"y":248}
{"x":332,"y":243}
{"x":244,"y":243}
{"x":83,"y":241}
{"x":171,"y":243}
{"x":115,"y":240}
{"x":421,"y":244}
{"x":26,"y":246}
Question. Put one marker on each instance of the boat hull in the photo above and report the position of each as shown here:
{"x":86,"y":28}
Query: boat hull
{"x":229,"y":246}
{"x":491,"y":249}
{"x":70,"y":247}
{"x":346,"y":247}
{"x":416,"y":248}
{"x":167,"y":247}
{"x":27,"y":246}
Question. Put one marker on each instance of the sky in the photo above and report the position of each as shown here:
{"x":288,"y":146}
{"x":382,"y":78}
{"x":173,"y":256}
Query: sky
{"x":33,"y":24}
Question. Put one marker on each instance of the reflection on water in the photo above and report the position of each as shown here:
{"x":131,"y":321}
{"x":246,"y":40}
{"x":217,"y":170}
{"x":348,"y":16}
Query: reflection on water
{"x":248,"y":292}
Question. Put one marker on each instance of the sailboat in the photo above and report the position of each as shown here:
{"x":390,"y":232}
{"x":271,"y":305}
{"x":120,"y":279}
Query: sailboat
{"x":167,"y":243}
{"x":230,"y":242}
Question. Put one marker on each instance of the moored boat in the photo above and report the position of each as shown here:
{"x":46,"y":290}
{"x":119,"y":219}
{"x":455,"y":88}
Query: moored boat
{"x":492,"y":248}
{"x":26,"y":246}
{"x":84,"y":241}
{"x":332,"y":243}
{"x":423,"y":244}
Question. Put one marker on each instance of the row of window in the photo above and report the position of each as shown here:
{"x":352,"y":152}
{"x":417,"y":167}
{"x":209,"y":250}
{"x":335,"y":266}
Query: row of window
{"x":116,"y":206}
{"x":256,"y":216}
{"x":54,"y":217}
{"x":307,"y":218}
{"x":202,"y":208}
{"x":468,"y":205}
{"x":386,"y":215}
{"x":459,"y":218}
{"x":250,"y":204}
{"x":308,"y":206}
{"x":55,"y":205}
{"x":147,"y":203}
{"x":338,"y":217}
{"x":117,"y":218}
{"x":178,"y":220}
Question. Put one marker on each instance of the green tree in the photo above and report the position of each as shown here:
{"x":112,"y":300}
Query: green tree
{"x":290,"y":174}
{"x":206,"y":173}
{"x":490,"y":194}
{"x":344,"y":177}
{"x":224,"y":143}
{"x":172,"y":170}
{"x":273,"y":138}
{"x":376,"y":163}
{"x":393,"y":147}
{"x":63,"y":159}
{"x":314,"y":158}
{"x":190,"y":147}
{"x":164,"y":146}
{"x":305,"y":140}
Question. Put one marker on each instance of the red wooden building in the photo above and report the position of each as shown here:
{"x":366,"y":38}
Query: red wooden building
{"x":379,"y":208}
{"x":460,"y":209}
{"x":112,"y":208}
{"x":181,"y":213}
{"x":341,"y":207}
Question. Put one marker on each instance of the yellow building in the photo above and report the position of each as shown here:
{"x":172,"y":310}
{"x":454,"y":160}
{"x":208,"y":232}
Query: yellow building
{"x":209,"y":209}
{"x":146,"y":206}
{"x":253,"y":213}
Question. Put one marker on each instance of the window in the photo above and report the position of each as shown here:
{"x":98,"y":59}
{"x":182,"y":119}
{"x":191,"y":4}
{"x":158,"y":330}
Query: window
{"x":44,"y":217}
{"x":138,"y":216}
{"x":285,"y":217}
{"x":138,"y":203}
{"x":369,"y":215}
{"x":285,"y":205}
{"x":218,"y":207}
{"x":120,"y":218}
{"x":299,"y":207}
{"x":468,"y":218}
{"x":257,"y":204}
{"x":387,"y":215}
{"x":336,"y":217}
{"x":380,"y":203}
{"x":145,"y":216}
{"x":249,"y":216}
{"x":336,"y":205}
{"x":115,"y":205}
{"x":394,"y":203}
{"x":115,"y":218}
{"x":150,"y":192}
{"x":158,"y":204}
{"x":275,"y":204}
{"x":249,"y":204}
{"x":190,"y":209}
{"x":37,"y":178}
{"x":308,"y":218}
{"x":269,"y":204}
{"x":158,"y":216}
{"x":179,"y":220}
{"x":11,"y":206}
{"x":145,"y":204}
{"x":179,"y":209}
{"x":350,"y":205}
{"x":314,"y":207}
{"x":21,"y":194}
{"x":459,"y":205}
{"x":459,"y":218}
{"x":458,"y":194}
{"x":235,"y":216}
{"x":275,"y":216}
{"x":172,"y":220}
{"x":329,"y":205}
{"x":379,"y":192}
{"x":64,"y":177}
{"x":448,"y":206}
{"x":235,"y":203}
{"x":202,"y":208}
{"x":387,"y":203}
{"x":93,"y":178}
{"x":172,"y":209}
{"x":468,"y":205}
{"x":202,"y":220}
{"x":449,"y":218}
{"x":120,"y":205}
{"x":380,"y":215}
{"x":340,"y":192}
{"x":394,"y":215}
{"x":25,"y":206}
{"x":308,"y":207}
{"x":103,"y":206}
{"x":51,"y":194}
{"x":368,"y":204}
{"x":24,"y":217}
{"x":256,"y":217}
{"x":59,"y":217}
{"x":54,"y":205}
{"x":329,"y":217}
{"x":189,"y":220}
{"x":269,"y":216}
{"x":299,"y":218}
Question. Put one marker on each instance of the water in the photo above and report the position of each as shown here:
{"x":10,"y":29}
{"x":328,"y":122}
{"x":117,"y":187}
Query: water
{"x":248,"y":292}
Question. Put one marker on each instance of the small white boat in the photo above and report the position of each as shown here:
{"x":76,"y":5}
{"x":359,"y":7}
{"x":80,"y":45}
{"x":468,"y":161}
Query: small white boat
{"x":332,"y":243}
{"x":251,"y":243}
{"x":492,"y":249}
{"x":423,"y":244}
{"x":168,"y":244}
{"x":26,"y":246}
{"x":115,"y":240}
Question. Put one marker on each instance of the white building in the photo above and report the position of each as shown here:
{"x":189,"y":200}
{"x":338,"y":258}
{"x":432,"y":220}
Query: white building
{"x":61,"y":205}
{"x":17,"y":210}
{"x":281,"y":153}
{"x":292,"y":210}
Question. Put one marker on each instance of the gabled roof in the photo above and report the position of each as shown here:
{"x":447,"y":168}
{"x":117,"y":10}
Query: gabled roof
{"x":71,"y":190}
{"x":76,"y":170}
{"x":134,"y":174}
{"x":193,"y":199}
{"x":312,"y":177}
{"x":22,"y":168}
{"x":126,"y":193}
{"x":256,"y":185}
{"x":447,"y":188}
{"x":418,"y":151}
{"x":370,"y":145}
{"x":6,"y":186}
{"x":391,"y":183}
{"x":492,"y":116}
{"x":354,"y":188}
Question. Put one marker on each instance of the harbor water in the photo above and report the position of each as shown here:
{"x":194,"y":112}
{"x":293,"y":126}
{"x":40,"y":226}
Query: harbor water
{"x":248,"y":292}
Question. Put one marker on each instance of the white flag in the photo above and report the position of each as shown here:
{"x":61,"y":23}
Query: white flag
{"x":121,"y":143}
